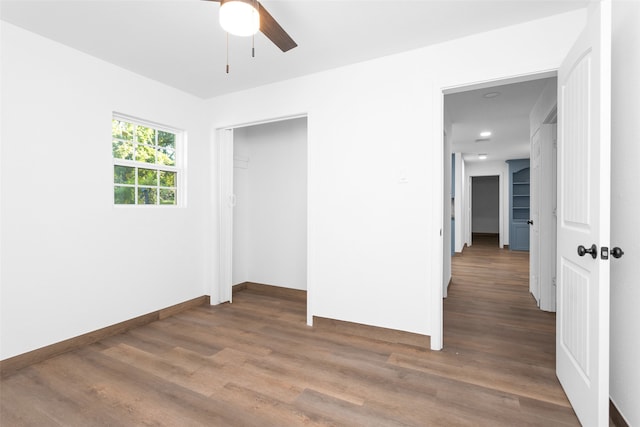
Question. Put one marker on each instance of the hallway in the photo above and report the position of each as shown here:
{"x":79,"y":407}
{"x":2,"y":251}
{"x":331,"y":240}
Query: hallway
{"x":504,"y":341}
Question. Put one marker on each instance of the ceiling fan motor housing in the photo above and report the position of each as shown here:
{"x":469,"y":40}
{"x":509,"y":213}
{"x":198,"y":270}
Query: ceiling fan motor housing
{"x":240,"y":17}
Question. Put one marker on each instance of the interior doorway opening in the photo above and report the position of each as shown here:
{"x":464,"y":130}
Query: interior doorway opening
{"x":270,"y":204}
{"x":485,"y":209}
{"x":490,"y":131}
{"x":263,"y":221}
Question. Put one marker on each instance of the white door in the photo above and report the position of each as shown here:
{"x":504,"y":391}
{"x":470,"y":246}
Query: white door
{"x":542,"y":256}
{"x":534,"y":219}
{"x":582,"y":326}
{"x":547,"y":219}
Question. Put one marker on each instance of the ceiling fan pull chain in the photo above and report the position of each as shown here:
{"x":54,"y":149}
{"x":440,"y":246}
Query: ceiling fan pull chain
{"x":227,"y":53}
{"x":253,"y":36}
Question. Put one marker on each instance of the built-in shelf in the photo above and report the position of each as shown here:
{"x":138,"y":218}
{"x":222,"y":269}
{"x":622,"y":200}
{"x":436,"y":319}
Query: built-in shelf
{"x":519,"y":204}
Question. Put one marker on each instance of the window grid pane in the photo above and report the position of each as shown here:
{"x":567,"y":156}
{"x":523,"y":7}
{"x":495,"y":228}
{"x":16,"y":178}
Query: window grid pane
{"x":124,"y":195}
{"x":167,"y":196}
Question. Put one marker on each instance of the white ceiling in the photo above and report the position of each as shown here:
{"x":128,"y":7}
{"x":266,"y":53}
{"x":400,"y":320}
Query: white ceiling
{"x":505,"y":116}
{"x":180,"y":43}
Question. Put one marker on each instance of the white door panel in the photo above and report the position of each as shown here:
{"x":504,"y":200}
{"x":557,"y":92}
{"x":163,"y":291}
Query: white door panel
{"x":582,"y":330}
{"x":542,"y":256}
{"x":225,"y":226}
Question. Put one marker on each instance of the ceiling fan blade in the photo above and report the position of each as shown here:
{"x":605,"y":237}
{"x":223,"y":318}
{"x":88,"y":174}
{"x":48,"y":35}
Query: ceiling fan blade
{"x":274,"y":32}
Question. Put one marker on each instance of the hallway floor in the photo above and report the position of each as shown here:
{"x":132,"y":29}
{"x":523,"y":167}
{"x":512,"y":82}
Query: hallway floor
{"x":504,"y":341}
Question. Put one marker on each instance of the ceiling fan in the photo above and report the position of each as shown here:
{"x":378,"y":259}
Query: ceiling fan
{"x":252,"y":9}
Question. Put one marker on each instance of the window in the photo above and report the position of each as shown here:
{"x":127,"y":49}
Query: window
{"x":145,"y":163}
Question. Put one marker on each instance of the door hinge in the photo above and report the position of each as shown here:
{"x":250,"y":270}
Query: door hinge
{"x":553,"y":282}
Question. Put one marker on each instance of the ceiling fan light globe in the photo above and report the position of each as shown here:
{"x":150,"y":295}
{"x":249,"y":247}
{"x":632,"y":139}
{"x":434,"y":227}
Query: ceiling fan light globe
{"x":239,"y":18}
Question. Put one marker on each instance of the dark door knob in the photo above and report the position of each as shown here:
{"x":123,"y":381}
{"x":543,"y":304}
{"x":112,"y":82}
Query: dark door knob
{"x":593,"y":250}
{"x":617,"y":252}
{"x":530,"y":222}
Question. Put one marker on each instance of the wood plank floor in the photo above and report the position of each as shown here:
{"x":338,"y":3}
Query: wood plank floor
{"x":256,"y":363}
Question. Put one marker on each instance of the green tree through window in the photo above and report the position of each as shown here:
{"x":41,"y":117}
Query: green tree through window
{"x":144,"y":164}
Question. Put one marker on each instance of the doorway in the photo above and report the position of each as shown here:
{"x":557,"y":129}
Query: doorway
{"x":270,"y":212}
{"x":263,"y":214}
{"x":489,"y":128}
{"x":485,"y":209}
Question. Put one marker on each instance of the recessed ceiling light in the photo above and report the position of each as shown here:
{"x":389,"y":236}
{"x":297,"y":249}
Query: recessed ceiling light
{"x":491,"y":94}
{"x":485,"y":133}
{"x":482,"y":156}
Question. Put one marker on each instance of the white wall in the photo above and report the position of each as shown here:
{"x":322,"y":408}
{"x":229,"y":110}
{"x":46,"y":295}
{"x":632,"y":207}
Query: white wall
{"x":270,"y":218}
{"x":485,"y":198}
{"x":375,"y":165}
{"x":71,"y":262}
{"x":625,"y":205}
{"x":492,"y":168}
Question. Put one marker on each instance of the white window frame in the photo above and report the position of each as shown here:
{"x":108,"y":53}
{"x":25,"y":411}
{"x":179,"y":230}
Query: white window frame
{"x":179,"y":168}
